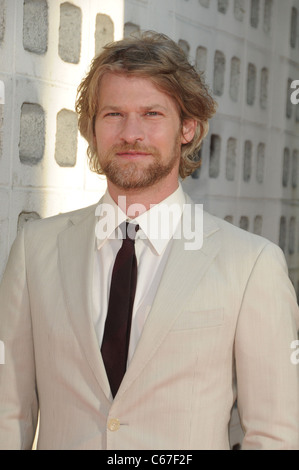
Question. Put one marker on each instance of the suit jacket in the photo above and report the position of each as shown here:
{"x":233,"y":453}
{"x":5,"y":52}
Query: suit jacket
{"x":221,"y":327}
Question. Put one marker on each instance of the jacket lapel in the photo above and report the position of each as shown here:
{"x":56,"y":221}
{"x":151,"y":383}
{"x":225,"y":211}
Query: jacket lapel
{"x":183,"y":272}
{"x":76,"y":247}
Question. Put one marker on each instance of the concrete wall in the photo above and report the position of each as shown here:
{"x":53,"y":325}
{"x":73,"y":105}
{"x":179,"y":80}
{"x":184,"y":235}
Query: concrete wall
{"x":249,"y":53}
{"x":45,"y":50}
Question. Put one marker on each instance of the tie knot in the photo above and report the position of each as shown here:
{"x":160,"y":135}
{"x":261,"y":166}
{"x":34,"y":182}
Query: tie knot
{"x":129,"y":231}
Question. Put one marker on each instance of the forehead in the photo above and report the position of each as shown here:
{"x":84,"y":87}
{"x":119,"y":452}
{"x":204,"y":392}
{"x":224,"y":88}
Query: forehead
{"x":119,"y":88}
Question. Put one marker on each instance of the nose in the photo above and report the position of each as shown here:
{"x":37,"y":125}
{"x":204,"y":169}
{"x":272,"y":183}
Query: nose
{"x":132,"y":129}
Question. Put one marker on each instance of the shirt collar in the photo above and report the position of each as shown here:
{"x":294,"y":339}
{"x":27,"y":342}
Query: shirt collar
{"x":158,"y":224}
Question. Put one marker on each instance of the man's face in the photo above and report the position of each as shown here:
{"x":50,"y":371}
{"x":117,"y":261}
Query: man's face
{"x":138,"y":133}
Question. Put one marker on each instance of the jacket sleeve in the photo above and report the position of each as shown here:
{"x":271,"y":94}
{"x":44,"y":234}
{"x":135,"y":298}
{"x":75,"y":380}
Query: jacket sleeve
{"x":267,"y":378}
{"x":18,"y":397}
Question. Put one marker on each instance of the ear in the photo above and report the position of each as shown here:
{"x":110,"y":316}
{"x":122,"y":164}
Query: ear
{"x":188,"y":130}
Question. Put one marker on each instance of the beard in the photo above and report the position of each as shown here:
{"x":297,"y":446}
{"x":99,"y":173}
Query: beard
{"x":138,"y":174}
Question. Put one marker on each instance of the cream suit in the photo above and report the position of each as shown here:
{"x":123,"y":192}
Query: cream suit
{"x":221,"y":327}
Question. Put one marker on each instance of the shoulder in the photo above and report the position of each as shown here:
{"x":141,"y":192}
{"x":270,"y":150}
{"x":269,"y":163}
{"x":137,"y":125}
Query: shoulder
{"x":234,"y":242}
{"x":47,"y":229}
{"x":243,"y":246}
{"x":62,"y":219}
{"x":234,"y":233}
{"x":230,"y":235}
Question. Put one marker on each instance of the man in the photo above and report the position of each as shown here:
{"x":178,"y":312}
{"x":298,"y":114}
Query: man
{"x":211,"y":321}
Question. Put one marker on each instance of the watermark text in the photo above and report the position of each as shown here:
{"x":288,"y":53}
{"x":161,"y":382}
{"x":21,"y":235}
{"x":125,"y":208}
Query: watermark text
{"x":295,"y":354}
{"x":295,"y":94}
{"x":164,"y":222}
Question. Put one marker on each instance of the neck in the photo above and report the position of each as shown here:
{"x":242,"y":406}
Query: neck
{"x":134,"y":202}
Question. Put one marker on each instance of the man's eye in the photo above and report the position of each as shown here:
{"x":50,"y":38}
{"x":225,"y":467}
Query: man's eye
{"x":112,"y":114}
{"x":153,"y":113}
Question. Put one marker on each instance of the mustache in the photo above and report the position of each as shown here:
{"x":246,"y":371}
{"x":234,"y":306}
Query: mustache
{"x":137,"y":147}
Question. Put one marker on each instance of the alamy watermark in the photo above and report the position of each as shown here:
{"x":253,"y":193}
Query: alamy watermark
{"x":168,"y":221}
{"x":295,"y":94}
{"x":295,"y":354}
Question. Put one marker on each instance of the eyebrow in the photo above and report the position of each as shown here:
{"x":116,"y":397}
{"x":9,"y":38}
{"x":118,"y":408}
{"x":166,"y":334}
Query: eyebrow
{"x":143,"y":108}
{"x":111,"y":108}
{"x":153,"y":106}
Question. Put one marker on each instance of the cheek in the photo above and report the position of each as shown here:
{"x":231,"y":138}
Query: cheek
{"x":103,"y":137}
{"x":164,"y":137}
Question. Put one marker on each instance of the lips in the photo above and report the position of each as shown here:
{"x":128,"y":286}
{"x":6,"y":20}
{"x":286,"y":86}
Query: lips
{"x":133,"y":154}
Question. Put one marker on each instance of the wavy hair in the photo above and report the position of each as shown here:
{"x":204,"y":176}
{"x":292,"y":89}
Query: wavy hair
{"x":158,"y":58}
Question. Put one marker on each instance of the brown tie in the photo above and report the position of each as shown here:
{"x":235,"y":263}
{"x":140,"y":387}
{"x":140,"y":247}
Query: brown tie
{"x":117,"y":330}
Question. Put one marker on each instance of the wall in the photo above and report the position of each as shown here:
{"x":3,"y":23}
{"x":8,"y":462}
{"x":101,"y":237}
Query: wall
{"x":45,"y":50}
{"x":249,"y":53}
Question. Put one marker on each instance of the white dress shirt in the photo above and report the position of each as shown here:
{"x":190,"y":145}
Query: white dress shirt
{"x":152,"y":246}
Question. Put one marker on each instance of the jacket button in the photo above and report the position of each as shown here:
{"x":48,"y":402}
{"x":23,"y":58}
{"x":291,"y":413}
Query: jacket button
{"x":113,"y":424}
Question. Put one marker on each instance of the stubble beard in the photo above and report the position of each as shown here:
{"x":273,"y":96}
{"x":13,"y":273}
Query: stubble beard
{"x":138,"y":174}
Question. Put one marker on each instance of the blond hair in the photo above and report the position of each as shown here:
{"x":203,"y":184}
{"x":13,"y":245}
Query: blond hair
{"x":160,"y":59}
